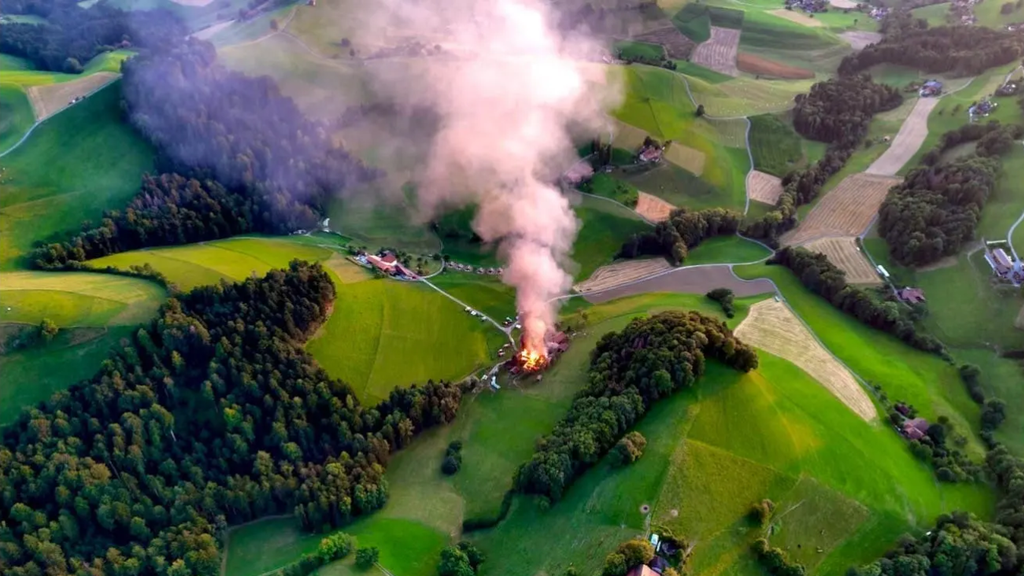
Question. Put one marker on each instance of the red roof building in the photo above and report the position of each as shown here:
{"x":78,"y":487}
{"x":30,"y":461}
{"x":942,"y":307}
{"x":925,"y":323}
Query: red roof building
{"x":915,"y":429}
{"x":641,"y":570}
{"x":911,"y":295}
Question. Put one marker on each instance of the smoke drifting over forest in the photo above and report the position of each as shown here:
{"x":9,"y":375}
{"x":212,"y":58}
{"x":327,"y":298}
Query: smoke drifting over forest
{"x":507,"y":92}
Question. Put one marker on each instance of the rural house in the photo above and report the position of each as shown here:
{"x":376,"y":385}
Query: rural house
{"x":1005,"y":267}
{"x":915,"y":429}
{"x":930,"y":88}
{"x":911,"y":295}
{"x":641,"y":570}
{"x":650,"y":154}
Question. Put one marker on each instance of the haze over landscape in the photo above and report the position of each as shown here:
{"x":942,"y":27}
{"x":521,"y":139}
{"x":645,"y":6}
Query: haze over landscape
{"x":582,"y":287}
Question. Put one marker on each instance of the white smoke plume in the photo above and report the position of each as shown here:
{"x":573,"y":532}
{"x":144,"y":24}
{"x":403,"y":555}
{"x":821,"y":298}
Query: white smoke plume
{"x":508,"y":93}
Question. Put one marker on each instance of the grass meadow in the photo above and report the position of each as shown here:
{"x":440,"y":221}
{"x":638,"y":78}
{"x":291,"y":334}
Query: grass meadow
{"x":75,"y":166}
{"x":605,"y":227}
{"x":484,"y":293}
{"x":926,"y":381}
{"x":16,"y":115}
{"x":726,"y":250}
{"x":776,"y":147}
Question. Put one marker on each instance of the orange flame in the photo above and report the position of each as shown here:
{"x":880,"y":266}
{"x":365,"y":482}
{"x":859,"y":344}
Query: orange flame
{"x":531,"y":360}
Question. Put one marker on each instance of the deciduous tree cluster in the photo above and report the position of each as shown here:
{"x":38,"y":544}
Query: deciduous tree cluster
{"x":211,"y":415}
{"x":826,"y":280}
{"x":936,"y":209}
{"x":629,"y":371}
{"x":73,"y":35}
{"x":683,"y":231}
{"x":958,"y":50}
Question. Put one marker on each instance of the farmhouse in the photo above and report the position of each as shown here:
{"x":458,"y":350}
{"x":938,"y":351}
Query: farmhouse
{"x":641,"y":570}
{"x":911,"y":295}
{"x":982,"y":108}
{"x":650,"y":153}
{"x":915,"y":429}
{"x":385,"y":263}
{"x":930,"y":88}
{"x":1005,"y":267}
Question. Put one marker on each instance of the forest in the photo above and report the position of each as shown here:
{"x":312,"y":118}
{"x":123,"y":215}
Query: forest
{"x":935,"y":210}
{"x":836,"y":111}
{"x":683,"y":231}
{"x":73,"y":35}
{"x":195,"y":424}
{"x":956,"y":50}
{"x":273,"y":176}
{"x":826,"y":280}
{"x":630,"y":370}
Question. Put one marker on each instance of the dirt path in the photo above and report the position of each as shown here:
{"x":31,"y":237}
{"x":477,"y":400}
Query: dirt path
{"x":908,"y":140}
{"x":49,"y":99}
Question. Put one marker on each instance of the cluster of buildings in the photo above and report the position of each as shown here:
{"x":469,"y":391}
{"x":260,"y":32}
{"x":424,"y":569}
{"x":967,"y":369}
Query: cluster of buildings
{"x":386,"y":263}
{"x":810,"y":6}
{"x":962,"y":11}
{"x":650,"y":153}
{"x":878,"y":13}
{"x":1009,"y":89}
{"x":1005,"y":267}
{"x":912,"y":428}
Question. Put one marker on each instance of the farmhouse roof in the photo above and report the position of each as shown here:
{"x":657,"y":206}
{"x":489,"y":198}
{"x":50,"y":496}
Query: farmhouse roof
{"x":641,"y":570}
{"x":915,"y":429}
{"x":1001,"y":258}
{"x":912,"y":295}
{"x":389,"y":258}
{"x":650,"y":153}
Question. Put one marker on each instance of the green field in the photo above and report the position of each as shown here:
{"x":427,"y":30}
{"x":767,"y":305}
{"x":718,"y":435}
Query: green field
{"x":935,"y":14}
{"x":605,"y":227}
{"x":609,"y":186}
{"x":483,"y":292}
{"x":54,"y":182}
{"x":631,"y":49}
{"x":406,"y":332}
{"x":905,"y":374}
{"x":776,"y":147}
{"x":1001,"y":378}
{"x":726,"y":250}
{"x":16,"y":115}
{"x":22,"y":72}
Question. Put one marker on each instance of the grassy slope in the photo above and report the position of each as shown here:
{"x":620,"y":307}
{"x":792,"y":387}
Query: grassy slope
{"x":776,"y":147}
{"x":15,"y":115}
{"x":926,"y":381}
{"x":54,"y":181}
{"x":446,"y":343}
{"x":935,"y":14}
{"x":605,"y":227}
{"x":726,"y":249}
{"x":484,"y":293}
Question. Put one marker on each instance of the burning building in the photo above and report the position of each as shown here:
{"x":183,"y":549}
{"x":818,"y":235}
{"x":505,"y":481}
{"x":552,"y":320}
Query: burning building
{"x":529,"y":359}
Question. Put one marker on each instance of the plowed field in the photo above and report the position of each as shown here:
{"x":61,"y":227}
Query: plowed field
{"x":685,"y":157}
{"x":620,"y":273}
{"x":843,"y":253}
{"x":772,"y":327}
{"x":719,"y":52}
{"x":845,"y":211}
{"x":49,"y":99}
{"x":763,"y":187}
{"x":752,"y":64}
{"x":653,"y":208}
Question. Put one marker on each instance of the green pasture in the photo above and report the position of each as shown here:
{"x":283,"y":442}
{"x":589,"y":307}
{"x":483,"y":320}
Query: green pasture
{"x":608,"y":186}
{"x":53,"y":181}
{"x":16,"y":116}
{"x":382,"y":215}
{"x":32,"y":375}
{"x":633,"y":49}
{"x":10,"y":63}
{"x":905,"y":374}
{"x":14,"y":70}
{"x":605,"y":227}
{"x":1001,"y":378}
{"x":696,"y":71}
{"x":746,"y":96}
{"x":799,"y":446}
{"x":244,"y":33}
{"x":77,"y":299}
{"x":936,"y":14}
{"x":776,"y":147}
{"x":989,"y":14}
{"x":726,"y":250}
{"x":483,"y":292}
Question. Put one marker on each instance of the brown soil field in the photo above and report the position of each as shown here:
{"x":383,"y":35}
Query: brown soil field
{"x":653,"y":208}
{"x":845,"y":211}
{"x":685,"y":157}
{"x":49,"y":99}
{"x":798,"y":17}
{"x":719,"y":52}
{"x":843,"y":253}
{"x":693,"y":280}
{"x":676,"y":45}
{"x":763,"y":187}
{"x":752,"y":64}
{"x":620,"y":273}
{"x":772,"y":327}
{"x":859,"y":40}
{"x":907,"y":140}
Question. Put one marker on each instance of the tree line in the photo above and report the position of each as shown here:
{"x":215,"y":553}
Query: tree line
{"x":936,"y":209}
{"x":957,"y":50}
{"x":211,"y":415}
{"x":630,"y":370}
{"x":823,"y":278}
{"x":683,"y":231}
{"x":72,"y":35}
{"x":836,"y":111}
{"x":222,"y":174}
